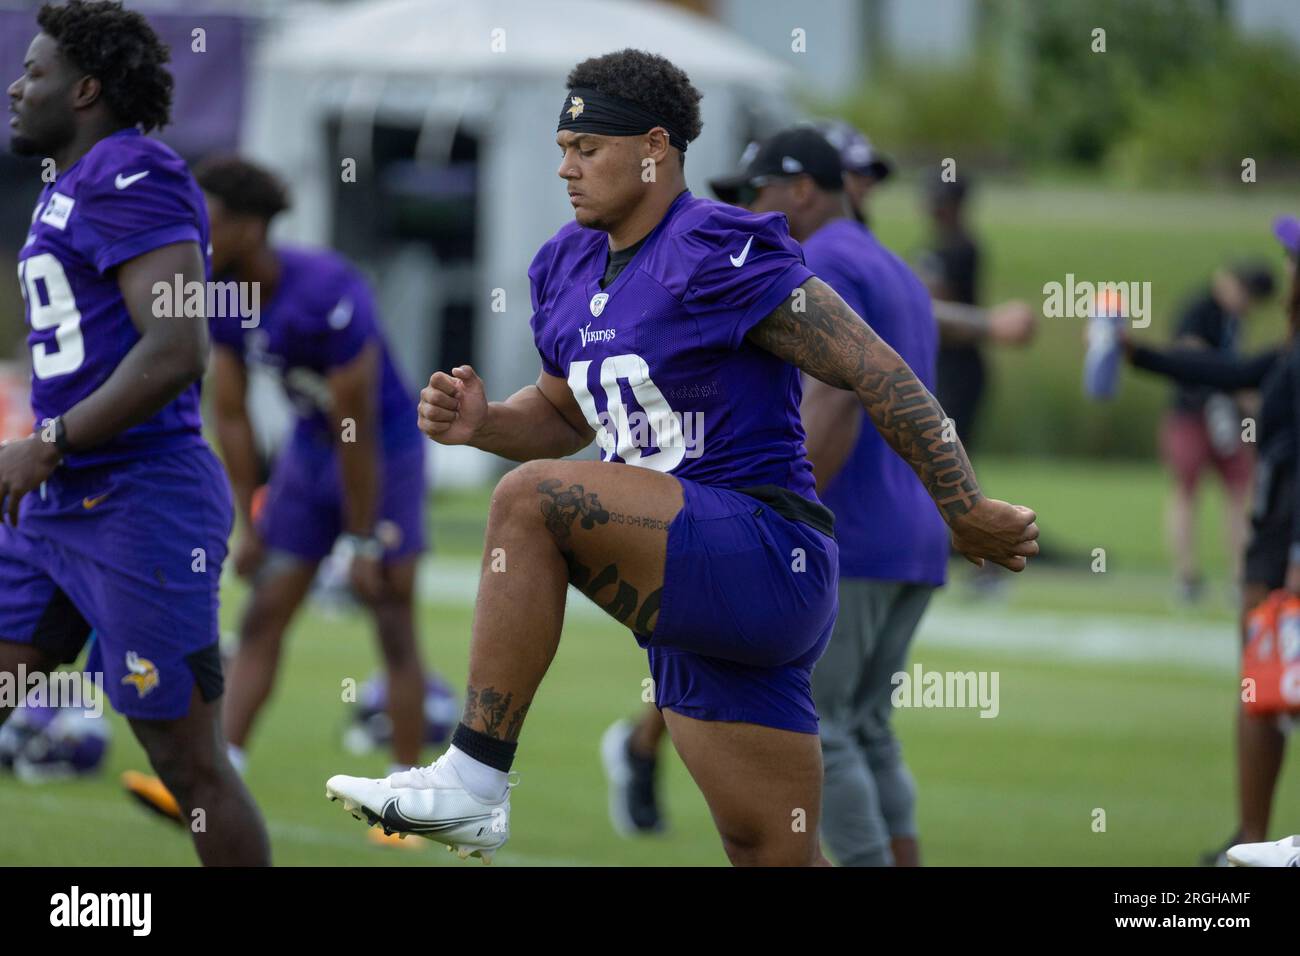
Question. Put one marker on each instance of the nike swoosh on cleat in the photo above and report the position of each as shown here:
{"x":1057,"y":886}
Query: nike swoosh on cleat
{"x":739,"y":261}
{"x":394,"y":817}
{"x":121,"y":182}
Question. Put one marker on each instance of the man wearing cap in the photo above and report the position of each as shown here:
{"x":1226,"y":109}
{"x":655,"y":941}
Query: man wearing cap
{"x":712,"y":548}
{"x":893,"y":552}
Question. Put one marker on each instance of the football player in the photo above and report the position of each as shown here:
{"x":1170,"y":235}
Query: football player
{"x":671,"y":330}
{"x":116,"y":513}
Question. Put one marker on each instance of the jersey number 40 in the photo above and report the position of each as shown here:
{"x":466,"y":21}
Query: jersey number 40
{"x":625,"y":434}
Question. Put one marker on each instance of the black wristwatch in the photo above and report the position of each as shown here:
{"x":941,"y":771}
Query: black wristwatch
{"x":60,"y":434}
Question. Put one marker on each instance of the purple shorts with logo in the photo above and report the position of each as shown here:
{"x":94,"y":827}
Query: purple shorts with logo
{"x":304,"y":510}
{"x":747,"y":608}
{"x":134,"y":551}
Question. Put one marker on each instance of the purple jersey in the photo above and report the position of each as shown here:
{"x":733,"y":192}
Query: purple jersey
{"x":885,"y":521}
{"x":321,"y":315}
{"x":658,"y":361}
{"x":127,"y":196}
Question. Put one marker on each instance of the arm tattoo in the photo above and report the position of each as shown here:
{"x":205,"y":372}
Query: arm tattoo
{"x":830,"y":342}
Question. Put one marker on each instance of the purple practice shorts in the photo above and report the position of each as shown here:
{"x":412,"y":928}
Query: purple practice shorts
{"x":748,"y":603}
{"x":133,"y":550}
{"x":304,"y":510}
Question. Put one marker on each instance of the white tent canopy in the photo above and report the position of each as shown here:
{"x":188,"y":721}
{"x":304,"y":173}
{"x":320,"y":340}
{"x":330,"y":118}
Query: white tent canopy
{"x":417,"y":37}
{"x":495,"y":68}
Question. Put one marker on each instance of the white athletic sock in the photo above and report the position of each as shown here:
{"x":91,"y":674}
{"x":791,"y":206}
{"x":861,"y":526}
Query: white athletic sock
{"x":237,"y":758}
{"x":485,"y":783}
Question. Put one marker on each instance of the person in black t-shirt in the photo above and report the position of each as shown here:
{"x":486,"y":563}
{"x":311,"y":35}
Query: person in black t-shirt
{"x":1271,"y":559}
{"x":1203,"y":426}
{"x":950,"y":266}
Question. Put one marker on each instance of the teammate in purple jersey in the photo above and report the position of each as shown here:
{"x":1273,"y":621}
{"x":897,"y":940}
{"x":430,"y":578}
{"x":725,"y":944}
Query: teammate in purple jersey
{"x":672,"y":330}
{"x":352,"y":468}
{"x":116,"y":512}
{"x":893,"y":544}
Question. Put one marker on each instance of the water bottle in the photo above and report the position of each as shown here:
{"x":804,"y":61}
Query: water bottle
{"x":1102,"y":361}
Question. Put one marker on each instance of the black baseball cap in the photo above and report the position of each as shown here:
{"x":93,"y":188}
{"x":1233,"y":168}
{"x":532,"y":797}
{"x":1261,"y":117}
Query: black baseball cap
{"x":799,"y":150}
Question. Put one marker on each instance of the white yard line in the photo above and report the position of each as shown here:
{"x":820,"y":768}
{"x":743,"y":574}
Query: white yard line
{"x":1201,"y":646}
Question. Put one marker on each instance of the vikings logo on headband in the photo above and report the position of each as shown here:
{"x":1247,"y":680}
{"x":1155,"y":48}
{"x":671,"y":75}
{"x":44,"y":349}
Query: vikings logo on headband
{"x":590,"y":111}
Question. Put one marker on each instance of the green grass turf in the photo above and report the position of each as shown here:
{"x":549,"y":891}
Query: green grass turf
{"x":1150,"y":744}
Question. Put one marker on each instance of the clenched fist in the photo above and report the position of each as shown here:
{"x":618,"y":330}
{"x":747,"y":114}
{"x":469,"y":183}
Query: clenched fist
{"x":453,"y":407}
{"x":996,"y":531}
{"x":1012,"y":323}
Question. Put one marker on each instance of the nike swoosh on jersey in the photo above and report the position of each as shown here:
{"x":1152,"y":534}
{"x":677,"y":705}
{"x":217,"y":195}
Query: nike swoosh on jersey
{"x":89,"y":503}
{"x":342,"y":314}
{"x":121,"y":182}
{"x":739,"y":260}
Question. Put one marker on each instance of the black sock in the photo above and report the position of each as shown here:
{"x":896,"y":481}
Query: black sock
{"x":497,"y":754}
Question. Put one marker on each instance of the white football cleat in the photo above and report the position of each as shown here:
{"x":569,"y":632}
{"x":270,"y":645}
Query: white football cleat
{"x":442,"y":810}
{"x":1284,"y":852}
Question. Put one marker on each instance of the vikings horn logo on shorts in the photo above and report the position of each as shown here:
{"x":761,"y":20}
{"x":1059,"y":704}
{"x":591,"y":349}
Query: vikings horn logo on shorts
{"x":143,"y":676}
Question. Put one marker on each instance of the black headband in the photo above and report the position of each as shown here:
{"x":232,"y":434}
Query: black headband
{"x":590,"y":111}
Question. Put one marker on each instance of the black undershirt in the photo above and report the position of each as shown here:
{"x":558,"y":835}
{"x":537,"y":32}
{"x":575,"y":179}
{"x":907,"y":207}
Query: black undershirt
{"x":618,"y":261}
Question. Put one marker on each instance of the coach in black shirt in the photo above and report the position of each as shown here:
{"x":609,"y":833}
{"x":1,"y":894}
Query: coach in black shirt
{"x":950,"y":268}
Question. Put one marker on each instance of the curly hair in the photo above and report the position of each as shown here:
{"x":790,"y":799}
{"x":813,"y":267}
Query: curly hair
{"x":648,"y":80}
{"x":243,"y":187}
{"x":121,"y":50}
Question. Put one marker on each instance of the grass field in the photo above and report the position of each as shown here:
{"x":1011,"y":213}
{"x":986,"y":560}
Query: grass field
{"x":1110,"y":699}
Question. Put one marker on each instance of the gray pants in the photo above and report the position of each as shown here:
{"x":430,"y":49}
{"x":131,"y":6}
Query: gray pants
{"x":868,"y":796}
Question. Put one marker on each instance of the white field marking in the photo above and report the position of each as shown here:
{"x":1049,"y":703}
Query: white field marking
{"x":301,"y":833}
{"x":1204,"y":647}
{"x":455,"y":581}
{"x":1200,"y":646}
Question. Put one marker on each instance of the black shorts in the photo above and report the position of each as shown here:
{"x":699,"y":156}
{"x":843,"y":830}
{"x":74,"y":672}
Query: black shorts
{"x":1270,"y":525}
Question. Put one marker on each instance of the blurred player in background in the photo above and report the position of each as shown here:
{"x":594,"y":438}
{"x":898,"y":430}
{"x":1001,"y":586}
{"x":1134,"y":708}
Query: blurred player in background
{"x":116,"y":513}
{"x":352,"y":469}
{"x":893,"y":544}
{"x":722,"y":561}
{"x":1203,"y":426}
{"x":951,"y":268}
{"x":629,"y":750}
